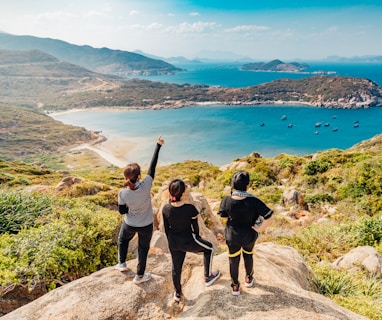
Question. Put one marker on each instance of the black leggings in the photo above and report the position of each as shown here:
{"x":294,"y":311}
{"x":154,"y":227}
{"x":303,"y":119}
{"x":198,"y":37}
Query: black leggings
{"x":178,"y":253}
{"x":235,"y":251}
{"x":126,"y":233}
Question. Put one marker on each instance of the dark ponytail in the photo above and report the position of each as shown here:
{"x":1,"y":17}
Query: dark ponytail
{"x":131,"y":173}
{"x":176,"y":189}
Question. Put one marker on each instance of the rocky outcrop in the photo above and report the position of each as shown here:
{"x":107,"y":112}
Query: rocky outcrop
{"x":364,"y":257}
{"x":283,"y":290}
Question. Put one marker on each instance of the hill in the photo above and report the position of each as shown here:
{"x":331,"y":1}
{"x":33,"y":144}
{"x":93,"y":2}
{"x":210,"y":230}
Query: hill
{"x":55,"y":85}
{"x":61,"y":225}
{"x":25,"y":132}
{"x":275,"y":66}
{"x":102,"y":60}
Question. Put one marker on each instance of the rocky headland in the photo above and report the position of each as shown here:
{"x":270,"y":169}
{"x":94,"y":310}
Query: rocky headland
{"x":36,"y":79}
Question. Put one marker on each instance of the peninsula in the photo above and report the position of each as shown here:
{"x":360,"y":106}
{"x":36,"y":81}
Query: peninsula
{"x":33,"y":78}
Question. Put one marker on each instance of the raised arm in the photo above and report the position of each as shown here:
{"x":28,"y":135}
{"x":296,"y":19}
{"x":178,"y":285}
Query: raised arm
{"x":154,"y":160}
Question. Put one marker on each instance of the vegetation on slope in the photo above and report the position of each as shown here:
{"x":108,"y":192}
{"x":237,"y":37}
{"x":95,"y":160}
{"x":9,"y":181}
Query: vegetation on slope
{"x":68,"y":234}
{"x":26,"y":131}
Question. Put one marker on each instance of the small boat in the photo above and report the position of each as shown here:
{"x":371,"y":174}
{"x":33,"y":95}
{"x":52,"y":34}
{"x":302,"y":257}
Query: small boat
{"x":283,"y":117}
{"x":316,"y":132}
{"x":290,"y":125}
{"x":356,"y":125}
{"x":335,"y":129}
{"x":327,"y":124}
{"x":318,"y":124}
{"x":262,"y":124}
{"x":334,"y":117}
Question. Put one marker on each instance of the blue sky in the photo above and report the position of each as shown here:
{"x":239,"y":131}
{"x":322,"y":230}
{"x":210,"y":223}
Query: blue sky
{"x":261,"y":30}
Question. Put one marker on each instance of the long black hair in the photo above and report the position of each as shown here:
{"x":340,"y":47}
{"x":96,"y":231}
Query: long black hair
{"x":176,"y":189}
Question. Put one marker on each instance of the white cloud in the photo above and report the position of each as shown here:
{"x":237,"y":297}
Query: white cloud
{"x":95,"y":14}
{"x":197,"y":27}
{"x":154,"y":26}
{"x":194,"y":14}
{"x":134,"y":12}
{"x":53,"y":16}
{"x":247,"y":28}
{"x":142,"y":27}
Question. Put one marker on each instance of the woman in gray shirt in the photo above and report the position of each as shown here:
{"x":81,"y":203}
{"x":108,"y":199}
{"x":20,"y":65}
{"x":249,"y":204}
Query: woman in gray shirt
{"x":134,"y":201}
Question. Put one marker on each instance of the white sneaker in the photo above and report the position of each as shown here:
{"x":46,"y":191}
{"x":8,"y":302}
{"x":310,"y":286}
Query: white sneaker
{"x":139,"y":279}
{"x":121,"y":267}
{"x":177,"y":296}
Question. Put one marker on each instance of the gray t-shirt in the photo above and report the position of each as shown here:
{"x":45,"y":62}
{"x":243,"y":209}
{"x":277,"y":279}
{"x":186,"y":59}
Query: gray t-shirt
{"x":139,"y":202}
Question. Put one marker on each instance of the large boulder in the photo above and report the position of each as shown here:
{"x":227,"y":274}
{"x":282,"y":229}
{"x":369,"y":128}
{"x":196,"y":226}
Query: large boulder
{"x":282,"y":290}
{"x":364,"y":257}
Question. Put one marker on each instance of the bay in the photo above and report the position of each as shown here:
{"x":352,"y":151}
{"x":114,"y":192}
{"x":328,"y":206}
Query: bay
{"x":220,"y":134}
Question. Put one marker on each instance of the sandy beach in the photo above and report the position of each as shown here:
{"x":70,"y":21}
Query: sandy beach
{"x":115,"y":151}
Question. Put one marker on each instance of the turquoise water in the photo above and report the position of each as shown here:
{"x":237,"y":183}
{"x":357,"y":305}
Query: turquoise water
{"x":228,"y":75}
{"x":220,"y":134}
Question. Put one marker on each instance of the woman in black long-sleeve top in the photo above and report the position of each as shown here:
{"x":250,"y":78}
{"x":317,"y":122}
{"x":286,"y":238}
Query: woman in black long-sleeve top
{"x":181,"y":226}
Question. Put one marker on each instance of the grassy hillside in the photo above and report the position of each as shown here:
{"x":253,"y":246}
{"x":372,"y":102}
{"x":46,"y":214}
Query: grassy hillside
{"x":57,"y":236}
{"x":25,"y":132}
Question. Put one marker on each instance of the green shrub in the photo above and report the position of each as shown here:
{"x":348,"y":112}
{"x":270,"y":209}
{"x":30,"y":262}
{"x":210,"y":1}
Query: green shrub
{"x":318,"y":198}
{"x":371,"y":205}
{"x":81,"y":241}
{"x":321,"y":242}
{"x":317,"y":166}
{"x":8,"y":274}
{"x":363,"y":305}
{"x":333,"y":282}
{"x":20,"y":210}
{"x":367,"y":232}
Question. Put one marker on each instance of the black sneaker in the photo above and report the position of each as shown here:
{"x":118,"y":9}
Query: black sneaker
{"x":212,"y":278}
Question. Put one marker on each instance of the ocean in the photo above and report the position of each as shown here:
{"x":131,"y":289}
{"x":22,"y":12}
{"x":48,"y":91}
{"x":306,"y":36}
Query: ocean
{"x":220,"y":134}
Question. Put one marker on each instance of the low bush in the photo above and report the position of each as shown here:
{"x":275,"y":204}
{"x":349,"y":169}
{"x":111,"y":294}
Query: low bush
{"x":367,"y":232}
{"x":20,"y":210}
{"x":81,"y":241}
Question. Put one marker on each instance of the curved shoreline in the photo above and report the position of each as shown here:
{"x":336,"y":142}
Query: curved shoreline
{"x":184,"y":104}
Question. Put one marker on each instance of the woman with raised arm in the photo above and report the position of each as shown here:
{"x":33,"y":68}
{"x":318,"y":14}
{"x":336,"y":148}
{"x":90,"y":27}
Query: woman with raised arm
{"x":134,"y":202}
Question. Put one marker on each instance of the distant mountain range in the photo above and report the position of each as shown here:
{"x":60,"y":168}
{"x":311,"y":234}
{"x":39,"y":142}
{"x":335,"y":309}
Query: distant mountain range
{"x":103,"y":60}
{"x":360,"y":59}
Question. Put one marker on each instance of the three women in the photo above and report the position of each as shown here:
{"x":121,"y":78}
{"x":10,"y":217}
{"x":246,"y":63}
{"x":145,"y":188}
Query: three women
{"x":242,"y":210}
